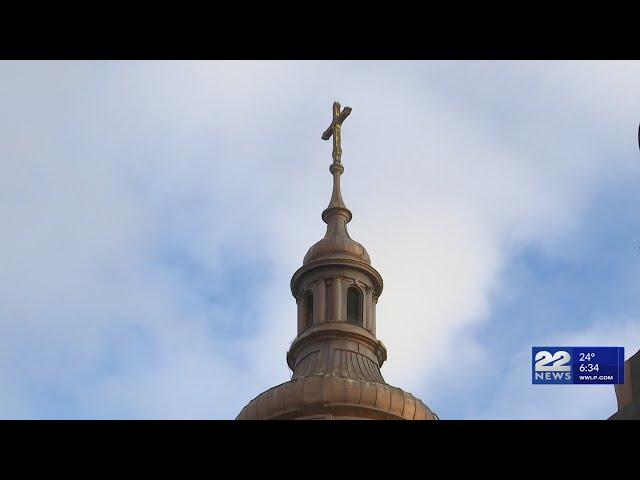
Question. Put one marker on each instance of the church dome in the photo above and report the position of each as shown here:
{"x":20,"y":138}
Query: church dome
{"x":329,"y":397}
{"x":336,"y":358}
{"x":337,"y":244}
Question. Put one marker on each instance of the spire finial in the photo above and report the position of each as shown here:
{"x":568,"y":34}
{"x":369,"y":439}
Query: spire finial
{"x":336,"y":205}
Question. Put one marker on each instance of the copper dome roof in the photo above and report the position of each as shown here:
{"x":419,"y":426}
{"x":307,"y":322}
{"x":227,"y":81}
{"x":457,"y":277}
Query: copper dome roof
{"x":329,"y":396}
{"x":337,"y":243}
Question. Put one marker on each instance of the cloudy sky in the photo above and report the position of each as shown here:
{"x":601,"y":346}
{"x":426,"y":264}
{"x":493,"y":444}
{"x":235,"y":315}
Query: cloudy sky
{"x":154,"y":212}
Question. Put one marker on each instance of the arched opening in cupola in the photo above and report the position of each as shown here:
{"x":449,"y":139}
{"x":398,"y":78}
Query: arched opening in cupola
{"x":354,"y":306}
{"x":308,"y":308}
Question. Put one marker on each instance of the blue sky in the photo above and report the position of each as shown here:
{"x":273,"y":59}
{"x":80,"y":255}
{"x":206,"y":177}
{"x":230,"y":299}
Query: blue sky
{"x":154,"y":212}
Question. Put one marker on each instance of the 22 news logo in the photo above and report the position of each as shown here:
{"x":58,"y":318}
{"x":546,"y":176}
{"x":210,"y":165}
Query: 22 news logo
{"x":551,"y":366}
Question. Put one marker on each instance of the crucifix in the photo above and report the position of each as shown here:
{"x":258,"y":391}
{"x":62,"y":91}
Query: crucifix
{"x":334,"y":130}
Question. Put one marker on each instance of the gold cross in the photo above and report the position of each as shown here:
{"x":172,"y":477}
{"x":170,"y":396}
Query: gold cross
{"x":334,"y":130}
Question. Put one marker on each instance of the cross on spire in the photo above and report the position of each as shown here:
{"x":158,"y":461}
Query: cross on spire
{"x":337,"y":208}
{"x":334,"y":130}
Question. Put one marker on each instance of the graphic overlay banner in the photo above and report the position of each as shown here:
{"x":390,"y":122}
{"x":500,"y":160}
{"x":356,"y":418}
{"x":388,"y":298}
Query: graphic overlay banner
{"x":577,"y":365}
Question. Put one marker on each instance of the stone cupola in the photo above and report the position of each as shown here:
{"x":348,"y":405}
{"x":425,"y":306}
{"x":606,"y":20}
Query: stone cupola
{"x":336,"y":356}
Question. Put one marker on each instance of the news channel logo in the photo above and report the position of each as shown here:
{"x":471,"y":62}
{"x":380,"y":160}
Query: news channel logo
{"x":577,"y":365}
{"x":551,"y":365}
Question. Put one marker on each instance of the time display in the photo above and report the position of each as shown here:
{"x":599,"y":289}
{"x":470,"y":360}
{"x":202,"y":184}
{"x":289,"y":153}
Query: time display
{"x":589,"y":367}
